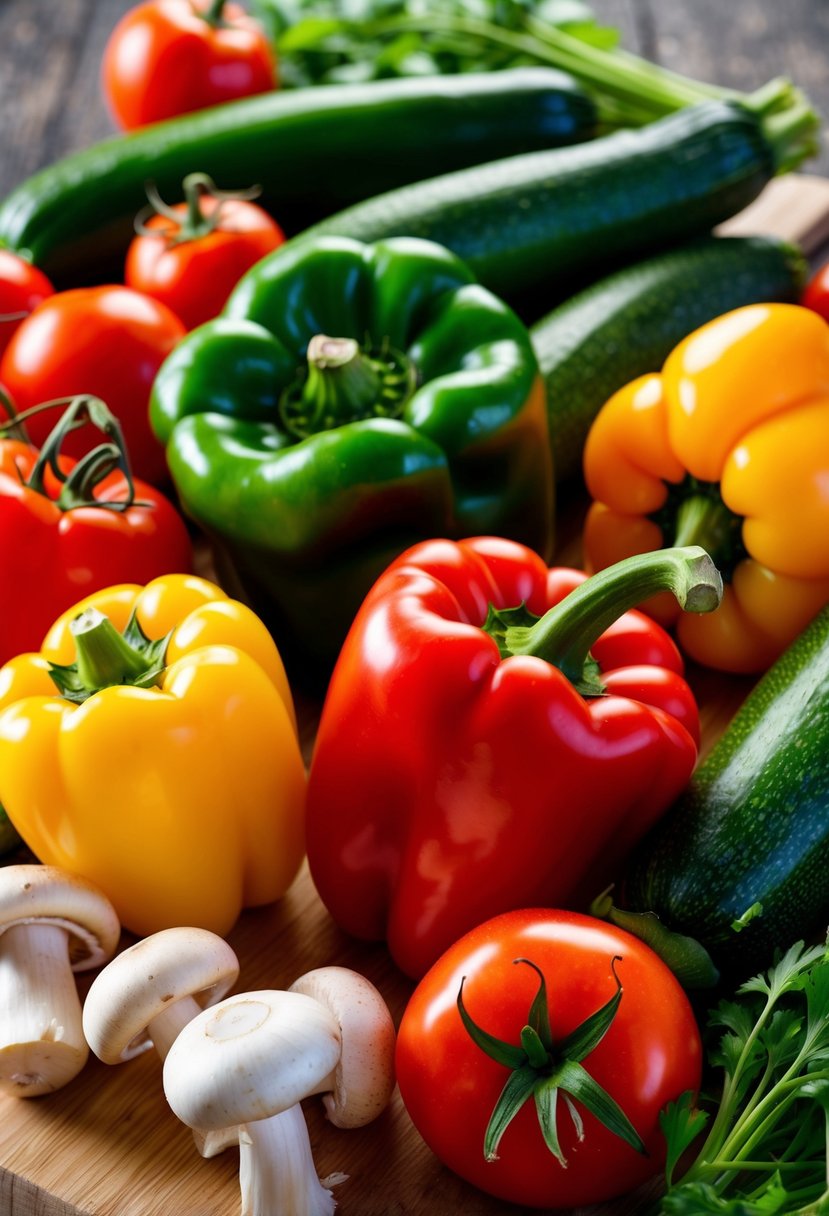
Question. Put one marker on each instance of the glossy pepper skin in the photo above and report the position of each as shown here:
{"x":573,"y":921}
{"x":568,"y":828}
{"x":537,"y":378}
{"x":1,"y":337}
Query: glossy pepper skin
{"x":182,"y":799}
{"x":449,"y":784}
{"x":64,"y":536}
{"x":312,"y":464}
{"x":728,"y":447}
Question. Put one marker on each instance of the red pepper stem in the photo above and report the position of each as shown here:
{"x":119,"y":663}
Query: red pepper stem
{"x":214,"y":12}
{"x":104,"y":656}
{"x":565,"y":634}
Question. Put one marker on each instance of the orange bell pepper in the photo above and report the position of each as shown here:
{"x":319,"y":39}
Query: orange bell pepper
{"x":159,"y":761}
{"x":728,"y":448}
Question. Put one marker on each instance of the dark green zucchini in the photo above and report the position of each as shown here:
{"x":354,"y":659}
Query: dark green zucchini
{"x":311,"y":150}
{"x":741,"y":862}
{"x":628,"y":323}
{"x":546,"y":215}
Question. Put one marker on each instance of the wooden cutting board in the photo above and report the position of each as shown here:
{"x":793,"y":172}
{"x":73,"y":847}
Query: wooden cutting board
{"x":108,"y":1145}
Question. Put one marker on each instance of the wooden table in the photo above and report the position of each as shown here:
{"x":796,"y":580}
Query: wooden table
{"x":107,"y":1145}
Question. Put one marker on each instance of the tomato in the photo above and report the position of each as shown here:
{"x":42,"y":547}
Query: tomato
{"x":107,"y":341}
{"x":22,"y":287}
{"x":650,"y":1054}
{"x":816,"y":293}
{"x":191,"y":256}
{"x":167,"y":57}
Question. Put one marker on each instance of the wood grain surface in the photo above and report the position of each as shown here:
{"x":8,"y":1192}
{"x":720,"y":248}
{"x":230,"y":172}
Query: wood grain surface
{"x":107,"y":1144}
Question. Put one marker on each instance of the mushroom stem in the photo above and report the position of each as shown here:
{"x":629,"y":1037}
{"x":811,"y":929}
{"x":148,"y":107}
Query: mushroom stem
{"x":42,"y":1045}
{"x":276,"y":1168}
{"x":164,"y":1029}
{"x":166,"y":1026}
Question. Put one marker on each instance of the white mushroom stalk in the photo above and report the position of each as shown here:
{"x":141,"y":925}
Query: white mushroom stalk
{"x":149,"y":993}
{"x":51,"y":924}
{"x":249,"y":1061}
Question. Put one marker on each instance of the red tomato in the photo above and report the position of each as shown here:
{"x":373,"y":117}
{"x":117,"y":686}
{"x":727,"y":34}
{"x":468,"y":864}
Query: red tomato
{"x":167,"y":57}
{"x":816,"y":294}
{"x":194,"y":275}
{"x":650,"y":1054}
{"x":106,"y":341}
{"x":22,"y":287}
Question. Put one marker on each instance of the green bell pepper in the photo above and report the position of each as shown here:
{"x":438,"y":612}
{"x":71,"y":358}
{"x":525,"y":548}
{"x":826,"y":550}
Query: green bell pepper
{"x":352,"y":399}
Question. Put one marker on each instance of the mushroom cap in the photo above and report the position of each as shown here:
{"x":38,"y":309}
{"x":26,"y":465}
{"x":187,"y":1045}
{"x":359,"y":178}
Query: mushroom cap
{"x":36,"y":894}
{"x":364,"y":1077}
{"x":146,"y":979}
{"x":251,"y":1056}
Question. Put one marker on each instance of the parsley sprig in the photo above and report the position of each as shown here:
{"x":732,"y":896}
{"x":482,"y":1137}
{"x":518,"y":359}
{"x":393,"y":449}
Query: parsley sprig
{"x":340,"y":41}
{"x":767,"y":1146}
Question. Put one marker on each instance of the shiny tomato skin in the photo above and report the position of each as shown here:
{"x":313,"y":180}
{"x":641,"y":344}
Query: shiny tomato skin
{"x":194,"y":277}
{"x":22,"y":288}
{"x":650,"y":1055}
{"x":108,"y":341}
{"x":816,"y":292}
{"x":163,"y":58}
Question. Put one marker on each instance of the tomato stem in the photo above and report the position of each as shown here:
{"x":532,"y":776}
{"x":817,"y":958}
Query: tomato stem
{"x":541,"y":1069}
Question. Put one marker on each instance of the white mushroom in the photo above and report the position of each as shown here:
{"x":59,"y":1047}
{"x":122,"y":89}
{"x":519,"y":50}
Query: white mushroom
{"x":361,"y":1086}
{"x":52,"y":923}
{"x":150,"y":991}
{"x":251,"y":1060}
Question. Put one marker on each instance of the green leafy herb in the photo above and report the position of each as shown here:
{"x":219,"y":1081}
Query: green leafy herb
{"x":336,"y":41}
{"x":766,"y":1148}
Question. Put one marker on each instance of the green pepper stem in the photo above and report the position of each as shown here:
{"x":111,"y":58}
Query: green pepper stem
{"x":341,"y":382}
{"x":344,"y":382}
{"x":564,"y":635}
{"x":104,"y":656}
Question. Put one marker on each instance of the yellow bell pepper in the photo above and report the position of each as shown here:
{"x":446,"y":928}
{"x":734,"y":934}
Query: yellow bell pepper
{"x":167,"y":771}
{"x":728,"y":448}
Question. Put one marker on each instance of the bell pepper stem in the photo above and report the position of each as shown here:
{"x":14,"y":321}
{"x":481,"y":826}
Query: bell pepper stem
{"x":214,"y":12}
{"x":705,"y":520}
{"x":104,"y":656}
{"x":343,"y":383}
{"x":565,"y":634}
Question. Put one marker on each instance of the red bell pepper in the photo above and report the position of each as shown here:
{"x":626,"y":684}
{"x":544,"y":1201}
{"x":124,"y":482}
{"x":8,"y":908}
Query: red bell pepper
{"x":470,"y":761}
{"x":68,"y":528}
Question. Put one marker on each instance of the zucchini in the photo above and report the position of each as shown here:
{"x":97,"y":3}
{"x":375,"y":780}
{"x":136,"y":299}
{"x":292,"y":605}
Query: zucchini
{"x":311,"y":150}
{"x":628,"y":323}
{"x":547,"y":215}
{"x":741,"y":862}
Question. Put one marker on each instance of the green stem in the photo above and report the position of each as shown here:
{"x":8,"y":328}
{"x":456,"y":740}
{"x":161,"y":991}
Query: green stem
{"x":104,"y":656}
{"x":341,"y":383}
{"x":792,"y":135}
{"x":196,"y":223}
{"x":78,"y":486}
{"x":214,"y":12}
{"x":651,"y":92}
{"x":566,"y":633}
{"x":344,"y":383}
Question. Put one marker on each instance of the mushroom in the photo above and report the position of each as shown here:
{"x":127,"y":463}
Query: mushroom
{"x":361,"y":1086}
{"x":52,"y":923}
{"x":144,"y":997}
{"x":251,"y":1060}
